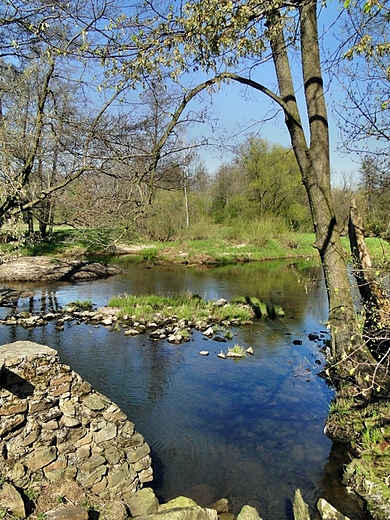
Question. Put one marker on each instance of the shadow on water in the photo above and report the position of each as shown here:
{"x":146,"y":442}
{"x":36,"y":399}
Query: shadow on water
{"x":250,"y":430}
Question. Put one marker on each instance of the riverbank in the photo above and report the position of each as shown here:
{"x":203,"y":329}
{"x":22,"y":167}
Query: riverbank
{"x":359,"y":476}
{"x":218,"y":250}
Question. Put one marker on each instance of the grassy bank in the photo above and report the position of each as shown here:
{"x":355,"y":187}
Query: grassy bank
{"x":70,"y":243}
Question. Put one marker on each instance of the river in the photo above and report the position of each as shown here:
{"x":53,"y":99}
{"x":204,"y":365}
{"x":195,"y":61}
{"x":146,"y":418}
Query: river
{"x":249,"y":430}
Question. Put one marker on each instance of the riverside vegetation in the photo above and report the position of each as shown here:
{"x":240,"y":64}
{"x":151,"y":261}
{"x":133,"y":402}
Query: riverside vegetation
{"x":363,"y":427}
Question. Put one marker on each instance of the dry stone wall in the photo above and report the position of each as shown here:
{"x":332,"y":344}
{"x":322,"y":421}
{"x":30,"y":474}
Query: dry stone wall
{"x":55,"y":426}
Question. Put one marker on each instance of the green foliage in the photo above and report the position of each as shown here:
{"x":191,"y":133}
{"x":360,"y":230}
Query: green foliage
{"x":263,"y":185}
{"x":149,"y":254}
{"x":340,"y":407}
{"x":71,"y":243}
{"x":371,"y":439}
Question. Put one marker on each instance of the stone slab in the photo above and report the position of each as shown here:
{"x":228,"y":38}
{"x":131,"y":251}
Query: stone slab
{"x":23,"y":349}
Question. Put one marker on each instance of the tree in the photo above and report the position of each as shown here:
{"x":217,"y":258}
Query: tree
{"x":375,"y":183}
{"x":363,"y":107}
{"x":273,"y":181}
{"x":230,"y":41}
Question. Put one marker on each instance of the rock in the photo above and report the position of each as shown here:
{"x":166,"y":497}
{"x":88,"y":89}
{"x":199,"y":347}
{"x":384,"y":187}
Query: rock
{"x":175,"y":338}
{"x":313,"y":336}
{"x":185,"y":513}
{"x":220,"y":339}
{"x":178,"y":502}
{"x":204,"y":352}
{"x":115,"y":509}
{"x":68,"y":513}
{"x":250,"y":351}
{"x":143,"y":502}
{"x":41,"y":268}
{"x":11,"y":501}
{"x":300,"y":508}
{"x":298,"y":341}
{"x":233,"y":354}
{"x":208,"y":332}
{"x":221,"y":355}
{"x":131,"y":332}
{"x":64,"y":429}
{"x":220,"y":303}
{"x":201,"y":324}
{"x":248,"y":513}
{"x":328,"y":512}
{"x":221,"y":505}
{"x":226,"y":516}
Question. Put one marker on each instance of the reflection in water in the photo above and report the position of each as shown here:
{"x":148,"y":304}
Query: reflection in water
{"x":251,"y":430}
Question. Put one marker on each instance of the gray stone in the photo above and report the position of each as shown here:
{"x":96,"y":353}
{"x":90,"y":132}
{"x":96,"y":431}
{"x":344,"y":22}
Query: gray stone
{"x":178,"y":503}
{"x":11,"y":500}
{"x":68,"y":513}
{"x":187,"y":513}
{"x":93,"y":402}
{"x":88,"y":479}
{"x":24,"y":349}
{"x":11,"y":423}
{"x":248,"y":513}
{"x":106,"y":434}
{"x":134,"y":455}
{"x":114,"y":509}
{"x":70,"y":422}
{"x":42,"y":458}
{"x":81,"y":436}
{"x":93,"y":462}
{"x":221,"y":505}
{"x":144,"y":502}
{"x":113,"y":455}
{"x":300,"y":508}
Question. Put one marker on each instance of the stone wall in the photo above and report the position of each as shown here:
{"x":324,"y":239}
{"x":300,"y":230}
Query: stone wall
{"x":55,"y":426}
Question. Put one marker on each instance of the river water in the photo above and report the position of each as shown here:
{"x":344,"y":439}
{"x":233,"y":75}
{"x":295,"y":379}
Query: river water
{"x":250,"y":430}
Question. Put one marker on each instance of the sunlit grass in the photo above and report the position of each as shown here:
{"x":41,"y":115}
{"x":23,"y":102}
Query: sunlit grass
{"x":183,"y":306}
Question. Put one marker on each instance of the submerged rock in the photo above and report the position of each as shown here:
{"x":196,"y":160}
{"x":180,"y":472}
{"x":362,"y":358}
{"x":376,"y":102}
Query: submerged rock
{"x":328,"y":512}
{"x":248,"y":513}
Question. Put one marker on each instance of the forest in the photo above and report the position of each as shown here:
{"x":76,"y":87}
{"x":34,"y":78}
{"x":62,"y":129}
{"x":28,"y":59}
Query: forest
{"x":98,"y":100}
{"x":96,"y":108}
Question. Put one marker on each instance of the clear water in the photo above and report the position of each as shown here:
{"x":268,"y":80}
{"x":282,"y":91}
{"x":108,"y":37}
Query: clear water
{"x":250,"y":430}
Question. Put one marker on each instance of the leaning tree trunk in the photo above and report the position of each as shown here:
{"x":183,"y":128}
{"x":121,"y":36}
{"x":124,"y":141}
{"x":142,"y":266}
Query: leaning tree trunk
{"x":314,"y":164}
{"x":375,"y":302}
{"x":350,"y":354}
{"x":373,"y":296}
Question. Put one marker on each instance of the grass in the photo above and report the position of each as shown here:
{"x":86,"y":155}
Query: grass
{"x":185,"y":306}
{"x":81,"y":304}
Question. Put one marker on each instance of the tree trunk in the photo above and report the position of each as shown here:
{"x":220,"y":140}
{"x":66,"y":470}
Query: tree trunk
{"x":370,"y":290}
{"x":314,"y":164}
